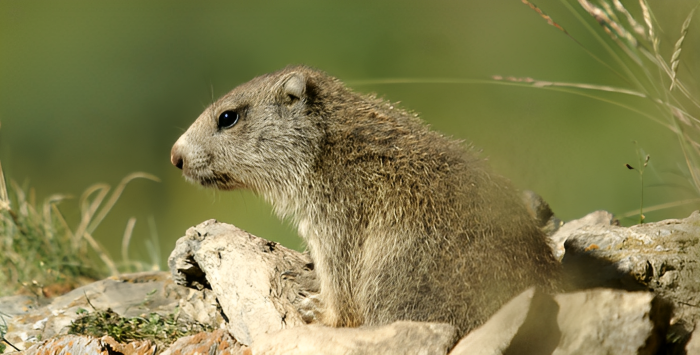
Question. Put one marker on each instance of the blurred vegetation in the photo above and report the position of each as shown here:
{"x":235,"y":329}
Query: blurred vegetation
{"x":91,"y":91}
{"x":42,"y":255}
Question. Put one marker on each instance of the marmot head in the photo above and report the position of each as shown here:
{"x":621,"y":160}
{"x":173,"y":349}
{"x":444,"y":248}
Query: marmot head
{"x":260,"y":136}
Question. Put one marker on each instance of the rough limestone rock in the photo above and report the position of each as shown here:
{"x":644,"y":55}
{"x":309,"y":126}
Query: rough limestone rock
{"x":257,"y":282}
{"x":525,"y":325}
{"x":267,"y":293}
{"x":693,"y":346}
{"x":402,"y":337}
{"x":129,"y":295}
{"x":600,"y":321}
{"x":83,"y":345}
{"x":594,"y":220}
{"x":218,"y":342}
{"x":605,"y":321}
{"x":663,"y":257}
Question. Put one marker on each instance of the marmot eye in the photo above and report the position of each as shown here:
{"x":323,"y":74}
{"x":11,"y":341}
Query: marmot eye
{"x":227,"y":119}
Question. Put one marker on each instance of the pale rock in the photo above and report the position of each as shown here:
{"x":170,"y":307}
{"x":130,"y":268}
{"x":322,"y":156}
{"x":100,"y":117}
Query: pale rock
{"x":693,"y":346}
{"x":525,"y":325}
{"x":398,"y":338}
{"x":661,"y":257}
{"x":218,"y":342}
{"x":85,"y":345}
{"x":605,"y":321}
{"x":256,"y":281}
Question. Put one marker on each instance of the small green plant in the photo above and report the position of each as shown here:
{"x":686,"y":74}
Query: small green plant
{"x":40,"y":249}
{"x":159,"y":329}
{"x":3,"y":331}
{"x":643,"y":165}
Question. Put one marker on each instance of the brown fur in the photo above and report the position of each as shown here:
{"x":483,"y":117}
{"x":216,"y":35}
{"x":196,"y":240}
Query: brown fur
{"x":401,"y":222}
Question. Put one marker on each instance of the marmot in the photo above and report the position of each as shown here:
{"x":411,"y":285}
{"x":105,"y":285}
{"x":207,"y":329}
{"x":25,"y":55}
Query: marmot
{"x":402,"y":223}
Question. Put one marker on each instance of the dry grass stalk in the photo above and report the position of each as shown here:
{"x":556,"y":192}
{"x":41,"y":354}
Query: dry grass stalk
{"x":660,"y":207}
{"x":636,"y":27}
{"x":88,"y":209}
{"x":676,"y":57}
{"x":646,"y":14}
{"x":543,"y":83}
{"x":606,"y":18}
{"x":652,"y":77}
{"x":584,"y":89}
{"x":4,"y":198}
{"x":544,"y":16}
{"x":126,"y":239}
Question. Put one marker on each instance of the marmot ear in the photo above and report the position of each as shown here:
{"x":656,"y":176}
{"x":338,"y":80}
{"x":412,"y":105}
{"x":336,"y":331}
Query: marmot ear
{"x":294,"y":87}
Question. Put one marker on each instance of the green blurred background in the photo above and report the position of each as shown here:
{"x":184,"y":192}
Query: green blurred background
{"x":91,"y":91}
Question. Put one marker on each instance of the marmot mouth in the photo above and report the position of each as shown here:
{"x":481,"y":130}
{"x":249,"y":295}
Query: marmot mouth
{"x":219,"y":181}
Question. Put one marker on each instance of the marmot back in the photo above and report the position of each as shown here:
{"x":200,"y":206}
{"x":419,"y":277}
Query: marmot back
{"x":401,"y":222}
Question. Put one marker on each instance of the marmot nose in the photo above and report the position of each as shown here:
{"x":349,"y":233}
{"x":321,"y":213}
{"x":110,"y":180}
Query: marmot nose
{"x":177,"y":161}
{"x":176,"y":157}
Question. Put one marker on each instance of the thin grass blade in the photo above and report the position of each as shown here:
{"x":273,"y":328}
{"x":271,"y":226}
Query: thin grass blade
{"x":48,"y":219}
{"x":4,"y":197}
{"x":115,"y":196}
{"x":88,"y":209}
{"x":101,"y":253}
{"x":126,"y":239}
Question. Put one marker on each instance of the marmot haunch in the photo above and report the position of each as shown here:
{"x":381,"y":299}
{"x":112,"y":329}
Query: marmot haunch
{"x":402,"y":222}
